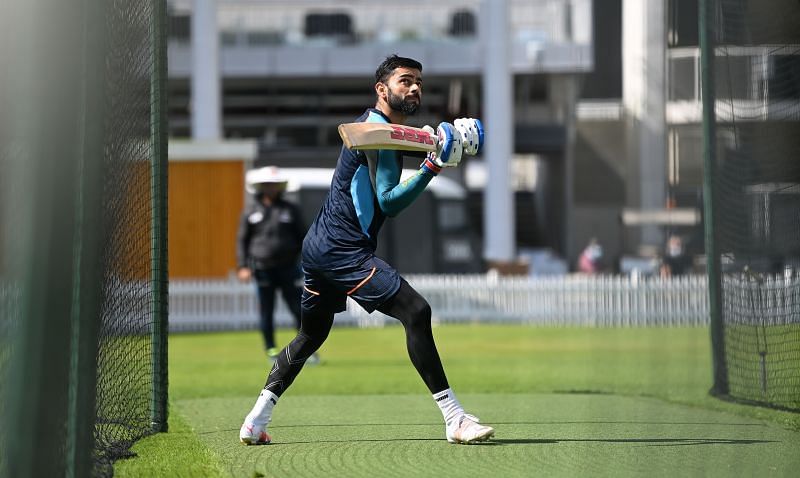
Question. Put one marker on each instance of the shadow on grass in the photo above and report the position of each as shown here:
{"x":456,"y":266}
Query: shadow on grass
{"x":647,"y":441}
{"x":388,"y":440}
{"x":580,"y":422}
{"x":547,"y":441}
{"x":528,"y":441}
{"x":631,"y":422}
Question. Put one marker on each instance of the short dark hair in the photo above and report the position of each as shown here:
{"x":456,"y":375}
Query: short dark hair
{"x":393,"y":62}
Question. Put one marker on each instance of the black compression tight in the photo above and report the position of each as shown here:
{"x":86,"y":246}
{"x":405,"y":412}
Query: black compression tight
{"x":413,"y":311}
{"x":314,"y":329}
{"x":407,"y":306}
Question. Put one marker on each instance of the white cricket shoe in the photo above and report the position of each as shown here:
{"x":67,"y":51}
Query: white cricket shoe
{"x":466,"y":429}
{"x":251,"y":434}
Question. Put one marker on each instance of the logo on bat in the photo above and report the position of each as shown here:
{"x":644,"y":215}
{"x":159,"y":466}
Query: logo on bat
{"x":411,"y":134}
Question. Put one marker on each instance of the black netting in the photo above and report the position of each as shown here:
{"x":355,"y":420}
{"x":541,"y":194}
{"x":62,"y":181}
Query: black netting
{"x":82,"y":233}
{"x":125,"y":359}
{"x":757,"y":83}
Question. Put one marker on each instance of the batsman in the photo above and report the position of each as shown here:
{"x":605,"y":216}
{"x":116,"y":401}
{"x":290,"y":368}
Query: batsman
{"x":339,"y":260}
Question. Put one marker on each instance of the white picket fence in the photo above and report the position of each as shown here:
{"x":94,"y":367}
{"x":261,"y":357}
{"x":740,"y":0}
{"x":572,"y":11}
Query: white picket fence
{"x":574,"y":300}
{"x":602,"y":301}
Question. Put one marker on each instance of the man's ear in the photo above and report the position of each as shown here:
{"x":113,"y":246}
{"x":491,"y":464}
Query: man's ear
{"x":380,"y":89}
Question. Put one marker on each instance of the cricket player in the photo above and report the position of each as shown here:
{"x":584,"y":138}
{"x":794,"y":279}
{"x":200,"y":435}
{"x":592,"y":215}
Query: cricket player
{"x":339,"y":261}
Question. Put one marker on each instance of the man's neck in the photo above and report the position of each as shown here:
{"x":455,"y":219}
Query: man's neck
{"x":394,"y":116}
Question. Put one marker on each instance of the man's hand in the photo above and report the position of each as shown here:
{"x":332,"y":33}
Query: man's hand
{"x":449,"y":150}
{"x":244,"y":274}
{"x":471,"y":131}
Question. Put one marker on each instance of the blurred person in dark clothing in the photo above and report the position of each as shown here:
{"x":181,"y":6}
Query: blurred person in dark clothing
{"x":268,"y":245}
{"x":675,"y":261}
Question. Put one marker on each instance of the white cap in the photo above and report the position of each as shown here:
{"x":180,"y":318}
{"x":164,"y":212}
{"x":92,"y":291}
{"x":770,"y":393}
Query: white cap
{"x":266,"y":175}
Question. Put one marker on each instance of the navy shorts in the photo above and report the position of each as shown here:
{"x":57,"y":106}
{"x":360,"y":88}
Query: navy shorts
{"x":370,"y":281}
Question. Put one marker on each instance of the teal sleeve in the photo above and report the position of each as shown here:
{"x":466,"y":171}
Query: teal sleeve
{"x":393,"y":195}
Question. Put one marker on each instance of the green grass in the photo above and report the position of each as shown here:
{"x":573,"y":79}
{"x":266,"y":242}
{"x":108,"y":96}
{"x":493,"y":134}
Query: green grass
{"x":177,"y":453}
{"x":522,"y":359}
{"x":538,"y":434}
{"x":599,"y":397}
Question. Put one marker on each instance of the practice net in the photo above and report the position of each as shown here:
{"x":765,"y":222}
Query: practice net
{"x":132,"y":292}
{"x":757,"y":207}
{"x":83,"y":285}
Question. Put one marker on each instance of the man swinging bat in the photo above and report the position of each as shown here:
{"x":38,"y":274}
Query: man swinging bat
{"x":339,"y":259}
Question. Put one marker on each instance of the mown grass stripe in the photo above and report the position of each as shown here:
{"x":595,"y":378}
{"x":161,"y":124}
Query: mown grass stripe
{"x":671,"y":364}
{"x":551,"y":435}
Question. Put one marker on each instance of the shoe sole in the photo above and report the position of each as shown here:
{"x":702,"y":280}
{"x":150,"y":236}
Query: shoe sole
{"x":253,"y":443}
{"x":479,"y":439}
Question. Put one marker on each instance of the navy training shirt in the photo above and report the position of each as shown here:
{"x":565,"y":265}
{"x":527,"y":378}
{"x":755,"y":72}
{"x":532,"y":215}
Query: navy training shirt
{"x":365,"y":189}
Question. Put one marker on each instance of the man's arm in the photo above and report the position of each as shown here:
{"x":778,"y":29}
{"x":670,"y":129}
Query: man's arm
{"x":242,"y":240}
{"x":394,"y":196}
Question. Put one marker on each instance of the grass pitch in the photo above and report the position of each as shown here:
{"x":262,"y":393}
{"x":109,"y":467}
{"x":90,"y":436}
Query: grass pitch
{"x":564,"y":402}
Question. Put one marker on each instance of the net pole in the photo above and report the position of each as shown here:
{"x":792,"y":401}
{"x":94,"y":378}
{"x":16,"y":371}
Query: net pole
{"x":159,"y":279}
{"x":720,"y":373}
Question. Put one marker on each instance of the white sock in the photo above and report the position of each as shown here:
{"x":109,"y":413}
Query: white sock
{"x":262,"y":410}
{"x":448,"y":404}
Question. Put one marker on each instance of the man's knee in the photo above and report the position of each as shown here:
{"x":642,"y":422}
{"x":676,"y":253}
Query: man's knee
{"x":315,"y":326}
{"x":420,"y":312}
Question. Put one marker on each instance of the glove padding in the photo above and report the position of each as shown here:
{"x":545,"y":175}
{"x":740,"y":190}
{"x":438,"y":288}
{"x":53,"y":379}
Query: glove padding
{"x":449,"y":148}
{"x":471,"y":131}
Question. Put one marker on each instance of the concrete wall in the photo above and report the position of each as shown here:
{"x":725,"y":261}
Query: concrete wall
{"x":601,"y":168}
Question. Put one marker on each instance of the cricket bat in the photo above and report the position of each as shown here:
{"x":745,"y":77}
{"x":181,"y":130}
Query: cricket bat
{"x":386,"y":136}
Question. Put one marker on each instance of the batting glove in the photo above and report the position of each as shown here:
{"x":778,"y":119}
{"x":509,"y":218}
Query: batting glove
{"x":449,"y":148}
{"x":471,"y":131}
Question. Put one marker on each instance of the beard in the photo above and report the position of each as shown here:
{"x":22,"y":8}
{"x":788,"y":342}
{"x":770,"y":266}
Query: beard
{"x":396,"y":103}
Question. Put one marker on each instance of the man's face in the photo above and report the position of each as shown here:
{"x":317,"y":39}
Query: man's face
{"x":271,"y":191}
{"x":404,"y":90}
{"x":675,"y":246}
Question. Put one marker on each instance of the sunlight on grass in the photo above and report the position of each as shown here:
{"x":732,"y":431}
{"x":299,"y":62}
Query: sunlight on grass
{"x":671,"y":364}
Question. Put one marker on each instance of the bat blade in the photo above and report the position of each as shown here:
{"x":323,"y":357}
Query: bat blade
{"x":386,"y":136}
